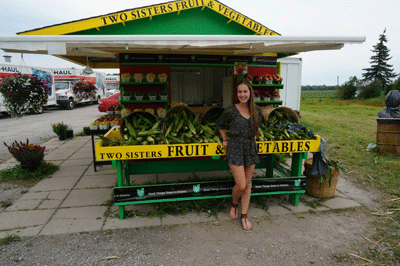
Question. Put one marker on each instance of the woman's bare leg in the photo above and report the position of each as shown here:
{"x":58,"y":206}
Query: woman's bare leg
{"x":246,"y":196}
{"x":239,"y":175}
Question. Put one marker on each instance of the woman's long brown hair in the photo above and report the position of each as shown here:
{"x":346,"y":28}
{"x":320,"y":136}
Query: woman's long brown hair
{"x":251,"y":105}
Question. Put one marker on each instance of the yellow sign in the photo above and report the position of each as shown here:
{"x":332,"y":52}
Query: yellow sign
{"x":149,"y":12}
{"x":104,"y":153}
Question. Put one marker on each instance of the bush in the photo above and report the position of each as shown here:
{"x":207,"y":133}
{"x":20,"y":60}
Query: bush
{"x":348,"y":89}
{"x":370,"y":90}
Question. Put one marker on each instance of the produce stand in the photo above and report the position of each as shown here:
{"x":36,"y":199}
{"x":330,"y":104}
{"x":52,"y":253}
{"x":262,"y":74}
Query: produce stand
{"x":139,"y":159}
{"x":175,"y":38}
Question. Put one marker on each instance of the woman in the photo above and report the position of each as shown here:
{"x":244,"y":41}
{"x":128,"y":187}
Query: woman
{"x":242,"y":120}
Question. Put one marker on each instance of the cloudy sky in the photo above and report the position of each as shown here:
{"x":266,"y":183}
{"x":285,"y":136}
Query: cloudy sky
{"x":320,"y":18}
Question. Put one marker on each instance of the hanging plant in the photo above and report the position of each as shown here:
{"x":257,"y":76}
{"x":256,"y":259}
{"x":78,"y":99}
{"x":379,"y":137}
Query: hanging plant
{"x":24,"y":92}
{"x":84,"y":90}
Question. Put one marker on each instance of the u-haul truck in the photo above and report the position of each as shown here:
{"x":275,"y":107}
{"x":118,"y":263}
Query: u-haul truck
{"x":9,"y":70}
{"x":64,"y":80}
{"x":112,"y":84}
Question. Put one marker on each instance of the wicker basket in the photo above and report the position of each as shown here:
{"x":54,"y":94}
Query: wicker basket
{"x":212,"y":114}
{"x":151,"y":117}
{"x":177,"y":109}
{"x":314,"y":187}
{"x":266,"y":112}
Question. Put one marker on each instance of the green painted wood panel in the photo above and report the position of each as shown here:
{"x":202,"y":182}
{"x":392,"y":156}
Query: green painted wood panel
{"x":189,"y":22}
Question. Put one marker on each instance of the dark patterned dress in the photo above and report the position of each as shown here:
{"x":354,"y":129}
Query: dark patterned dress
{"x":242,"y":146}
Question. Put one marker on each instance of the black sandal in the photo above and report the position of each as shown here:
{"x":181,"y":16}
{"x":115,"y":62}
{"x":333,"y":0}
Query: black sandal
{"x":244,"y":216}
{"x":235,"y":206}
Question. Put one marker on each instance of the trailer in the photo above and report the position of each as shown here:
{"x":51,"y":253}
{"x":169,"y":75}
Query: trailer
{"x":112,"y":84}
{"x":64,"y":80}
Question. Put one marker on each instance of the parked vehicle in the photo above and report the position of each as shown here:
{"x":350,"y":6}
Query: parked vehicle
{"x":65,"y":79}
{"x":109,"y":101}
{"x":112,"y":85}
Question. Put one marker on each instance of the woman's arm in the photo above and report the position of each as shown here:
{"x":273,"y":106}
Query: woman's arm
{"x":224,"y":138}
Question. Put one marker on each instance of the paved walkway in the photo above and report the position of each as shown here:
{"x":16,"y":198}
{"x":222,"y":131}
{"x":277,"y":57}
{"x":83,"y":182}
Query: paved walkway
{"x":77,"y":199}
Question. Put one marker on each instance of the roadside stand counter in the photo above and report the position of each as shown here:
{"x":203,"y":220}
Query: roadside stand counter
{"x":194,"y":157}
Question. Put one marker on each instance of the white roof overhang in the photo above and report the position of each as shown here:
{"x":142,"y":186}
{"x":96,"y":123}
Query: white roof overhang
{"x":106,"y":48}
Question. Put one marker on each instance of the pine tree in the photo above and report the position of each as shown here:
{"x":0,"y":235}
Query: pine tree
{"x":380,"y":70}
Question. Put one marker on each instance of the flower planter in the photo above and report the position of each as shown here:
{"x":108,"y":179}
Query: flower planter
{"x":86,"y":130}
{"x":62,"y":136}
{"x":266,"y":99}
{"x":103,"y":127}
{"x":257,"y":99}
{"x":95,"y":127}
{"x":152,"y":97}
{"x":138,"y":79}
{"x":139,"y":98}
{"x":164,"y":97}
{"x":31,"y":166}
{"x":110,"y":112}
{"x":275,"y":98}
{"x":117,"y":112}
{"x":126,"y":98}
{"x":162,"y":79}
{"x":70,"y":134}
{"x":150,"y":79}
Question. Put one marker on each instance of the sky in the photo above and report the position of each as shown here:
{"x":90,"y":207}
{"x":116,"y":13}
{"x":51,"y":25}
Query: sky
{"x":303,"y":18}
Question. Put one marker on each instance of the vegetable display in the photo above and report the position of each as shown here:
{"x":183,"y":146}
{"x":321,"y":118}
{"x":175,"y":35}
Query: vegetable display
{"x":183,"y":126}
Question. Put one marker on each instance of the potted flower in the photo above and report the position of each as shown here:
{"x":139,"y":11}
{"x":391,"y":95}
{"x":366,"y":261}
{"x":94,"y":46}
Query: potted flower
{"x":139,"y":95}
{"x":161,"y":112}
{"x":125,"y":112}
{"x":277,"y":79}
{"x":150,"y":77}
{"x":275,"y":96}
{"x":86,"y":130}
{"x":117,"y":109}
{"x":125,"y":77}
{"x":60,"y":129}
{"x":152,"y":95}
{"x":164,"y":95}
{"x":322,"y":186}
{"x":266,"y":96}
{"x":138,"y":77}
{"x":110,"y":110}
{"x":162,"y":77}
{"x":248,"y":78}
{"x":94,"y":125}
{"x":70,"y":133}
{"x":126,"y":95}
{"x":22,"y":93}
{"x":267,"y":79}
{"x":30,"y":156}
{"x":257,"y":96}
{"x":104,"y":125}
{"x":257,"y":79}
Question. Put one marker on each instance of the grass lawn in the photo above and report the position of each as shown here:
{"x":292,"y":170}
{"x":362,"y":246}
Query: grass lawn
{"x":348,"y":128}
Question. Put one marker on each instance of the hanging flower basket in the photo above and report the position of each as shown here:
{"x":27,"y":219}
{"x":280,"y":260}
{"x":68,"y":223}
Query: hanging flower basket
{"x":22,"y":93}
{"x":84,"y":90}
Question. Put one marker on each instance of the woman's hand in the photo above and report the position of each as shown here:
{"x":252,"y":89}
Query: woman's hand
{"x":225,"y":143}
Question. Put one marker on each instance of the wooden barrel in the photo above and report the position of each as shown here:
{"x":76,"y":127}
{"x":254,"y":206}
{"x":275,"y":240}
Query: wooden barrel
{"x":388,"y":136}
{"x":314,"y":187}
{"x":266,"y":112}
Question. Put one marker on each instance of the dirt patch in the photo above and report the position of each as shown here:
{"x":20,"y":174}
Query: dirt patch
{"x":295,"y":239}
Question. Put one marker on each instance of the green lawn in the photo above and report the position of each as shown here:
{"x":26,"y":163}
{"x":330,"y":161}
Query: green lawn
{"x":348,"y":128}
{"x":318,"y":94}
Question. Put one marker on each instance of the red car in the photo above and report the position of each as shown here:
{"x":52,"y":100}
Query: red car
{"x":106,"y":102}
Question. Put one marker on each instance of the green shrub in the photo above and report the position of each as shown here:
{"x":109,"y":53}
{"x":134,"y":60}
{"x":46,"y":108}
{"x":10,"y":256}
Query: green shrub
{"x":348,"y":89}
{"x":370,"y":90}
